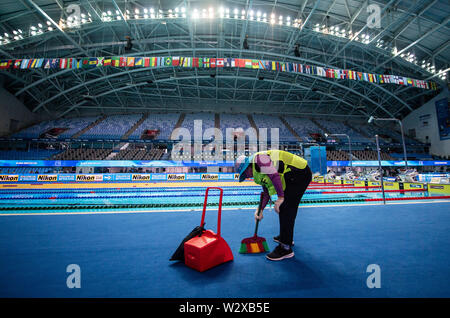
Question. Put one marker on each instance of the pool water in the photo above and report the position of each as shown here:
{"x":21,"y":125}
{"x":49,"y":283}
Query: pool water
{"x":167,"y":198}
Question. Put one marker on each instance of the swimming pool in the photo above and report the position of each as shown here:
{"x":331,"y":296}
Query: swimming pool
{"x":181,"y":197}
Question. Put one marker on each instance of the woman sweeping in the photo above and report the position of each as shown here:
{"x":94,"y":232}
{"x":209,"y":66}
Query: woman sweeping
{"x":286,"y":175}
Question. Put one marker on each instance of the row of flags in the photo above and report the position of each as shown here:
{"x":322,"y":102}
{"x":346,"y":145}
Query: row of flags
{"x":206,"y":62}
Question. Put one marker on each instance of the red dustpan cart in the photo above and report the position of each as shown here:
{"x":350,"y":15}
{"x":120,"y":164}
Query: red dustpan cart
{"x":210,"y":249}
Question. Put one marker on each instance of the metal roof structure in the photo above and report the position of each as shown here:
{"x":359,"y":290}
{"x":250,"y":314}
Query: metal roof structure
{"x":411,"y":39}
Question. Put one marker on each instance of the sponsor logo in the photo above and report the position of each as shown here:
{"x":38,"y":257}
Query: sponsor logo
{"x":192,"y":176}
{"x":84,"y":177}
{"x":437,"y":187}
{"x":388,"y":184}
{"x":66,"y":178}
{"x":415,"y":186}
{"x":44,"y":177}
{"x":210,"y":176}
{"x":140,"y":177}
{"x":236,"y":176}
{"x":176,"y":177}
{"x":158,"y":177}
{"x":9,"y":178}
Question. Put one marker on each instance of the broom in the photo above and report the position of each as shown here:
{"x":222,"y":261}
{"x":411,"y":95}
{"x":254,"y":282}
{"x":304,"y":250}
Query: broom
{"x":254,"y":244}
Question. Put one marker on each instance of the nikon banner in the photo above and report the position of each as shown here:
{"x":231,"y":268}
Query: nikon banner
{"x":47,"y":178}
{"x":210,"y":176}
{"x":9,"y":178}
{"x":140,"y":177}
{"x":89,"y":177}
{"x":176,"y":177}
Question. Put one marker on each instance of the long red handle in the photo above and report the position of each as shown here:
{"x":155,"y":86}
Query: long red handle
{"x":220,"y":207}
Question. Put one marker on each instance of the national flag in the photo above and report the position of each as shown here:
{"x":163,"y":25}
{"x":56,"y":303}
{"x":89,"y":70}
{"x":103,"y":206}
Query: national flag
{"x":47,"y":63}
{"x":206,"y":62}
{"x":359,"y":76}
{"x":337,"y":73}
{"x":130,"y":61}
{"x":54,"y":63}
{"x":289,"y":67}
{"x":139,"y":61}
{"x":31,"y":63}
{"x":5,"y":64}
{"x":330,"y":73}
{"x":122,"y":61}
{"x":24,"y":63}
{"x":274,"y":65}
{"x":115,"y":61}
{"x":409,"y":81}
{"x":227,"y":62}
{"x":248,"y":63}
{"x":233,"y":62}
{"x":35,"y":63}
{"x":212,"y":62}
{"x":219,"y":62}
{"x":153,"y":61}
{"x":344,"y":74}
{"x":145,"y":62}
{"x":175,"y":61}
{"x":107,"y":61}
{"x":63,"y":63}
{"x":84,"y":63}
{"x":168,"y":61}
{"x":195,"y":62}
{"x":100,"y":61}
{"x":365,"y":77}
{"x":380,"y":78}
{"x":321,"y":71}
{"x":401,"y":80}
{"x":187,"y":62}
{"x":90,"y":62}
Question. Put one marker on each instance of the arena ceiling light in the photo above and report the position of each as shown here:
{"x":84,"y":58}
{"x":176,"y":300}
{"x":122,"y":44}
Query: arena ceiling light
{"x":109,"y":16}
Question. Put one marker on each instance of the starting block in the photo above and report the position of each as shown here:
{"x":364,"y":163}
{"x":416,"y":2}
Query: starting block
{"x":210,"y":249}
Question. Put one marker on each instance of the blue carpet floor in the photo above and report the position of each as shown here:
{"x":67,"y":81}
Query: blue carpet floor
{"x":126,"y":255}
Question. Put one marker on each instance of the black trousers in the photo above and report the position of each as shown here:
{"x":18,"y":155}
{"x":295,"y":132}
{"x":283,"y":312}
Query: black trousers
{"x":297,"y":180}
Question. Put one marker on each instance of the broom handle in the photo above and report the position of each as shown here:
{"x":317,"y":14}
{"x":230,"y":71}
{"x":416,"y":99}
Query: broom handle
{"x":259,"y":212}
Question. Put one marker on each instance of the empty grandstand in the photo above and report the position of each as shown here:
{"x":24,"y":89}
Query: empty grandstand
{"x":109,"y":156}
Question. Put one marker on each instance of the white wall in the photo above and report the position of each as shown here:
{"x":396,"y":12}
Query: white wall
{"x":12,"y":108}
{"x":438,"y":146}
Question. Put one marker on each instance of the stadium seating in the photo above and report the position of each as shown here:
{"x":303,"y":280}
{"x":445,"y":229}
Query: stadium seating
{"x":165,"y":123}
{"x":72,"y":125}
{"x":338,"y":127}
{"x":266,"y":121}
{"x":233,"y":121}
{"x":82,"y":154}
{"x":27,"y":155}
{"x":207,"y":122}
{"x":113,"y":127}
{"x":303,"y":127}
{"x":140,"y":154}
{"x":26,"y":170}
